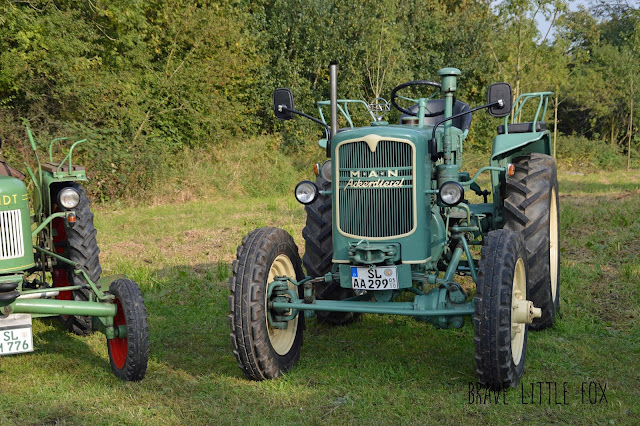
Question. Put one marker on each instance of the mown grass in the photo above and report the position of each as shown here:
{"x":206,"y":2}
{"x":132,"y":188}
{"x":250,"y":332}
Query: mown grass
{"x":381,"y":370}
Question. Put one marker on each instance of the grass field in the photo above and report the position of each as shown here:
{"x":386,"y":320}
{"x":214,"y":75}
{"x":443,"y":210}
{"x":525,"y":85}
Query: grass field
{"x":381,"y":370}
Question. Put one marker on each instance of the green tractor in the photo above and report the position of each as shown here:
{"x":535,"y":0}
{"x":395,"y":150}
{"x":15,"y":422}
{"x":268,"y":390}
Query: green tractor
{"x":388,"y":214}
{"x":49,"y":266}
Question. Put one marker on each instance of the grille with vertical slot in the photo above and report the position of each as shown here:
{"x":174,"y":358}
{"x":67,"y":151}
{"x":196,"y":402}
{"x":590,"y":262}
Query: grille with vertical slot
{"x":376,"y":189}
{"x":11,"y":238}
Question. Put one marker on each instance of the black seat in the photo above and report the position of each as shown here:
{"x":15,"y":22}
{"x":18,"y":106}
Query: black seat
{"x":523,"y":127}
{"x":463,"y":123}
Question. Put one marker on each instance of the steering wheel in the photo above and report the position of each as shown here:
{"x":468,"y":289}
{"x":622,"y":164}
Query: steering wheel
{"x":409,"y":84}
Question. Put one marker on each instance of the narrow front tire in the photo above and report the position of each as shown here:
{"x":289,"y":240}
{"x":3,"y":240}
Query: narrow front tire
{"x":262,"y":350}
{"x":129,"y":355}
{"x":500,"y":340}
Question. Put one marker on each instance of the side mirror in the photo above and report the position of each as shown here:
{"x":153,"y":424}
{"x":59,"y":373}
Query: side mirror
{"x":283,"y":104}
{"x":500,"y":95}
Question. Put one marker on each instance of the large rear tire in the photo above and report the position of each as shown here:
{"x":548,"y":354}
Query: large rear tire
{"x":531,"y":207}
{"x":77,"y":243}
{"x":318,"y":254}
{"x":500,"y":342}
{"x":263,"y":351}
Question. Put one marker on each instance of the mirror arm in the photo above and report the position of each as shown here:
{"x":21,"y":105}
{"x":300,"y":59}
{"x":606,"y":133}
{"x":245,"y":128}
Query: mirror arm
{"x":433,"y":143}
{"x":315,"y":120}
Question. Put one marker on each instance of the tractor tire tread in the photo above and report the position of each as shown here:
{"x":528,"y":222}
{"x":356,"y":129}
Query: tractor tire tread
{"x":318,"y":255}
{"x":82,"y":248}
{"x":528,"y":212}
{"x":132,"y":302}
{"x":249,"y":339}
{"x":492,"y":334}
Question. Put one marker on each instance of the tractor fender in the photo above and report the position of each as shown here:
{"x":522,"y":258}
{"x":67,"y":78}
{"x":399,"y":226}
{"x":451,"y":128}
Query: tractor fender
{"x":512,"y":145}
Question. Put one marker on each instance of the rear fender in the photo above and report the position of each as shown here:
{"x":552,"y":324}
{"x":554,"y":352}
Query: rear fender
{"x":507,"y":147}
{"x":515,"y":144}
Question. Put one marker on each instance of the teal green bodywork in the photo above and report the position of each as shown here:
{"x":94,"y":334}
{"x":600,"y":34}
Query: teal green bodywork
{"x":439,"y":244}
{"x":508,"y":146}
{"x":413,"y":247}
{"x":425,"y":246}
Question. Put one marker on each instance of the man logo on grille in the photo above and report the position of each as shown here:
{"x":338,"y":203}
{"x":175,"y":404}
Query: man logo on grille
{"x":373,"y":173}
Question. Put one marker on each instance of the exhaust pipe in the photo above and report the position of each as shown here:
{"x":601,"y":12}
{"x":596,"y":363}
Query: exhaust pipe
{"x":333,"y":97}
{"x":39,"y":295}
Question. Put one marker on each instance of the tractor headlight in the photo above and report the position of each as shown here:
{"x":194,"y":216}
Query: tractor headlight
{"x":325,"y":171}
{"x":69,"y":198}
{"x":451,"y":193}
{"x":306,"y":192}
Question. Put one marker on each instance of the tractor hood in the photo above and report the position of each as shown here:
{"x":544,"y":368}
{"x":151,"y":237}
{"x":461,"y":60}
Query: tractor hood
{"x":16,"y":247}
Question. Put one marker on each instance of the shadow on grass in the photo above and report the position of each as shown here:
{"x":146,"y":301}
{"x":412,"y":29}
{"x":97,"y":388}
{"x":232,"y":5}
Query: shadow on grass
{"x":59,"y":341}
{"x":189,"y":331}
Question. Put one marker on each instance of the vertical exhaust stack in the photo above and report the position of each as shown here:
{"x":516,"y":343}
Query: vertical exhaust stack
{"x":333,"y":97}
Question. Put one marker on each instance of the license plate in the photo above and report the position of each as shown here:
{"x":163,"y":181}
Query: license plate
{"x":378,"y":278}
{"x":16,"y":335}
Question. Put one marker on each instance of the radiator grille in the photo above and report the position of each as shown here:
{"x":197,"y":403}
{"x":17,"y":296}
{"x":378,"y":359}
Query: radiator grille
{"x":11,"y":238}
{"x":376,"y":190}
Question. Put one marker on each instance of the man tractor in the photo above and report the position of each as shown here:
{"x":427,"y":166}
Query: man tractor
{"x":49,"y":266}
{"x":389,"y":214}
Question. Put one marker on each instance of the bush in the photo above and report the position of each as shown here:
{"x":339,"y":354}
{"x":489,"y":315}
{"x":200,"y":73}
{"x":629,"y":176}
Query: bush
{"x":580,"y":153}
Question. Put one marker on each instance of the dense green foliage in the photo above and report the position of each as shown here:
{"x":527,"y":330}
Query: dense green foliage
{"x":142,"y":80}
{"x":147,"y":80}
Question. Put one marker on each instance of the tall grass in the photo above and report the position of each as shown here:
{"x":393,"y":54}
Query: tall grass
{"x":256,"y":167}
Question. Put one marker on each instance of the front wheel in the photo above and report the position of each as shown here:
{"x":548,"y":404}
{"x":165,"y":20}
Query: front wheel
{"x":129,"y":355}
{"x":502,"y":310}
{"x":263,"y":351}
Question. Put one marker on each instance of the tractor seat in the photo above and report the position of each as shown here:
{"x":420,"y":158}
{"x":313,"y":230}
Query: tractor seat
{"x":7,"y":170}
{"x":523,"y":127}
{"x":463,"y":123}
{"x":53,"y":167}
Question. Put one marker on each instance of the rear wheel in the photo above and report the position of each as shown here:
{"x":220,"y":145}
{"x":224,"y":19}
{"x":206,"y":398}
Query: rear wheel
{"x":79,"y":244}
{"x":531,"y":207}
{"x":129,"y":355}
{"x":318,"y":255}
{"x":262,"y":350}
{"x":502,"y":310}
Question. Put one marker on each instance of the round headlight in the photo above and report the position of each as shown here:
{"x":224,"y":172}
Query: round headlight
{"x":451,"y":193}
{"x":325,"y":171}
{"x":306,"y":192}
{"x":69,"y":198}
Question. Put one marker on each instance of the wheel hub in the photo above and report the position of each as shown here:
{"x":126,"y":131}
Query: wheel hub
{"x":281,"y":338}
{"x":522,"y":311}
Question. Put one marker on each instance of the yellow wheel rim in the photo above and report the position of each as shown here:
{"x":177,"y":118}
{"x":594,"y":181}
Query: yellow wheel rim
{"x":554,"y":246}
{"x":518,"y":292}
{"x":281,"y":338}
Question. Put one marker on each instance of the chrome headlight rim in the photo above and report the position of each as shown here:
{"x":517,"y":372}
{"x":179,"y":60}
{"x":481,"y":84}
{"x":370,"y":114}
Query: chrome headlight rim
{"x":325,"y":170}
{"x":306,"y":192}
{"x":69,"y":198}
{"x":451,"y":193}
